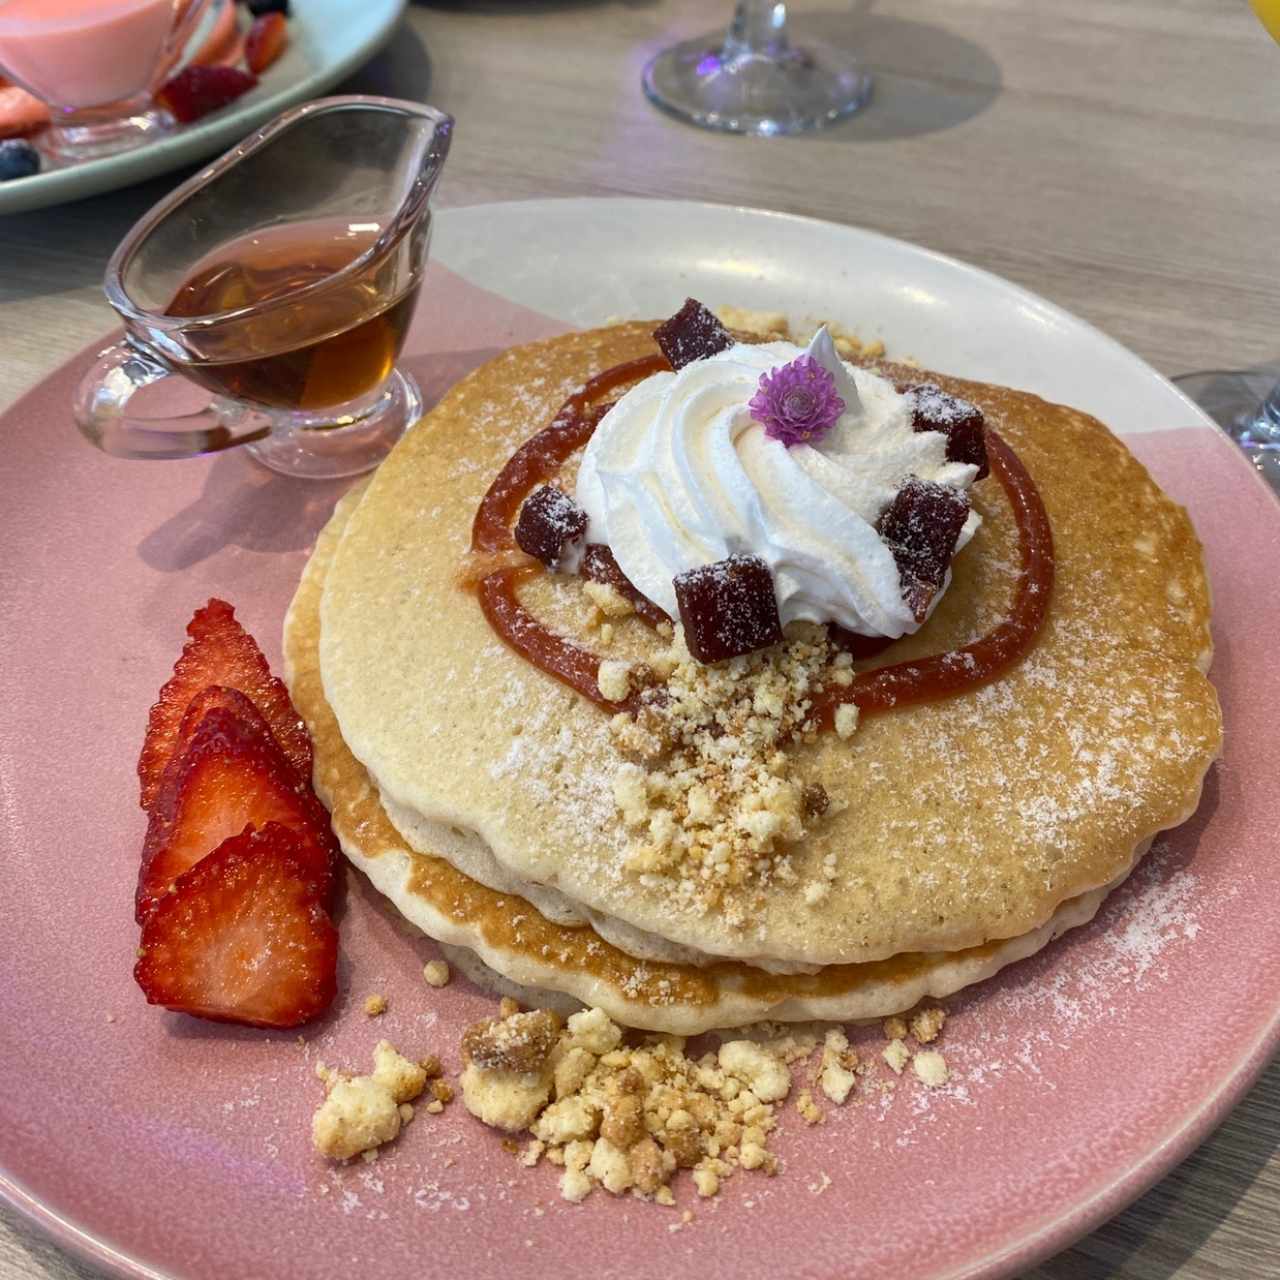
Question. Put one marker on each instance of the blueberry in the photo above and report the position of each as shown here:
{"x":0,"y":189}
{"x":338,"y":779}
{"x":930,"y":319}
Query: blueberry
{"x":18,"y":159}
{"x":259,"y":7}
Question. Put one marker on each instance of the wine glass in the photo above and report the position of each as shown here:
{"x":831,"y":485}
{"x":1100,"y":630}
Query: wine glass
{"x":1246,"y":402}
{"x":753,"y":80}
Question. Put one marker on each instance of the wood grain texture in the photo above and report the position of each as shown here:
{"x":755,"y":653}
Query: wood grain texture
{"x":1121,"y":157}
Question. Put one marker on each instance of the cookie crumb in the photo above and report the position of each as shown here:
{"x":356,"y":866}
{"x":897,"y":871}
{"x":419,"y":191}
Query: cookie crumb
{"x":361,"y":1113}
{"x":894,"y":1029}
{"x":931,"y":1068}
{"x":623,"y":1116}
{"x":926,"y":1024}
{"x":846,"y":722}
{"x":608,"y":599}
{"x":809,"y":1110}
{"x":896,"y":1055}
{"x":614,"y":679}
{"x":839,"y":1064}
{"x":436,"y":972}
{"x":375,"y":1005}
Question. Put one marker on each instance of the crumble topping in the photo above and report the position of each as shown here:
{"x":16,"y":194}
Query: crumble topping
{"x":839,"y":1062}
{"x":614,"y":679}
{"x":897,"y":1055}
{"x":629,"y":1117}
{"x":930,"y":1067}
{"x":608,"y":599}
{"x":709,"y":791}
{"x":375,"y":1005}
{"x":360,"y":1113}
{"x":925,"y":1026}
{"x":436,"y":973}
{"x":507,"y":1075}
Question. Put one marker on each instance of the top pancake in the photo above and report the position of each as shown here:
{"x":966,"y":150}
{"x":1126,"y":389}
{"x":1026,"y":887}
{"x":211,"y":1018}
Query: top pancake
{"x":967,"y":819}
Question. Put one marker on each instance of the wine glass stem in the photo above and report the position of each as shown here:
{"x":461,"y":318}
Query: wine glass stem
{"x":758,"y":26}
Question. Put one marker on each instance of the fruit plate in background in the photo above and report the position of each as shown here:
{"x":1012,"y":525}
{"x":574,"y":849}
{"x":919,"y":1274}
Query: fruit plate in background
{"x":328,"y":39}
{"x":159,"y":1146}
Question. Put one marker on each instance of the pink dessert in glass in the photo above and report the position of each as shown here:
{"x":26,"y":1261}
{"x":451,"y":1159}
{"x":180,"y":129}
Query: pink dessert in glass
{"x":95,"y":63}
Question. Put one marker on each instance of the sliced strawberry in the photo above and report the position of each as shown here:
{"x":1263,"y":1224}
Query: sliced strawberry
{"x":222,"y":40}
{"x":195,"y":91}
{"x":219,"y":652}
{"x":214,"y":695}
{"x":266,"y":41}
{"x":230,"y":776}
{"x":244,"y":936}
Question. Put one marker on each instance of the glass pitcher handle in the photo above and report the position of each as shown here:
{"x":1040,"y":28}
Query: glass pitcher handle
{"x":102,"y":412}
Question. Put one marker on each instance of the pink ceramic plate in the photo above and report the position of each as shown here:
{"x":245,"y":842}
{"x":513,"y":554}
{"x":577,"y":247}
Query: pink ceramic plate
{"x":158,"y":1145}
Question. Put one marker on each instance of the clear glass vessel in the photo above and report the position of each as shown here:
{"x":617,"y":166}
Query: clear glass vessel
{"x":96,"y":64}
{"x":281,"y":278}
{"x":1246,"y":404}
{"x":753,"y":79}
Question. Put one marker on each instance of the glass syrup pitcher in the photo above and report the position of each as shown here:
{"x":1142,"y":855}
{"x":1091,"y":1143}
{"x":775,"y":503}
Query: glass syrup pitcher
{"x":282,"y":280}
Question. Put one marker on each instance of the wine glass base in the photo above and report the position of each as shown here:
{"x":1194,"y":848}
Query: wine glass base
{"x":349,"y":446}
{"x":1235,"y":400}
{"x":794,"y":90}
{"x":70,"y":142}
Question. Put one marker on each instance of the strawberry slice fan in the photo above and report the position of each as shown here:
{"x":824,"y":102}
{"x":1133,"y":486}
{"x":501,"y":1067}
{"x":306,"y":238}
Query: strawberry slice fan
{"x":238,"y":864}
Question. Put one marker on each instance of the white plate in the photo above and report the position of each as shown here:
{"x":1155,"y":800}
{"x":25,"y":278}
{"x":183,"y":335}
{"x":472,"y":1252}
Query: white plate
{"x":584,"y":261}
{"x":327,"y":40}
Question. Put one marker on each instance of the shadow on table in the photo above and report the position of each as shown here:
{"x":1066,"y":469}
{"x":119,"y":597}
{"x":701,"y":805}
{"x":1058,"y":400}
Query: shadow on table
{"x":242,"y":504}
{"x":1156,"y":1236}
{"x":401,"y":69}
{"x":94,"y":226}
{"x":924,"y":78}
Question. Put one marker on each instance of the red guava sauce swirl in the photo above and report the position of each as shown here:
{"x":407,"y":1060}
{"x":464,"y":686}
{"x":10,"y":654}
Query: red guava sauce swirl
{"x":541,"y":457}
{"x":534,"y":463}
{"x":943,"y":674}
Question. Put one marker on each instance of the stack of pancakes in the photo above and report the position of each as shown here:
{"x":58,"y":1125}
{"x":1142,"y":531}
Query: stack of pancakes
{"x":475,"y":791}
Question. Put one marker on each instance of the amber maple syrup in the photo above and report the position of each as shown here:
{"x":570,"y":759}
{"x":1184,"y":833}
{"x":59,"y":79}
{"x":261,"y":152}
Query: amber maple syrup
{"x":325,"y":349}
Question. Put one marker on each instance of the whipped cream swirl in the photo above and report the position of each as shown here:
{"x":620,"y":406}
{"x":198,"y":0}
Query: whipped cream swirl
{"x":678,"y":474}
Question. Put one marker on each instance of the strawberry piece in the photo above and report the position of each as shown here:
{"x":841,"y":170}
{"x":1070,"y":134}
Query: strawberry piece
{"x":20,"y":112}
{"x":230,"y":776}
{"x":195,"y":91}
{"x":222,"y":40}
{"x":244,"y":936}
{"x":266,"y":41}
{"x":219,"y":652}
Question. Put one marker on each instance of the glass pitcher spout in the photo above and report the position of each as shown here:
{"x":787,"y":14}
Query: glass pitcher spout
{"x":282,"y":279}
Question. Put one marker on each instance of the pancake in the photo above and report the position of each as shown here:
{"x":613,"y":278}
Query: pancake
{"x":516,"y":942}
{"x":963,"y":821}
{"x":470,"y":855}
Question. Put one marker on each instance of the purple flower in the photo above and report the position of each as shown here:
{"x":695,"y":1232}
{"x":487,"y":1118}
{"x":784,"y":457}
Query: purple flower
{"x":797,"y":403}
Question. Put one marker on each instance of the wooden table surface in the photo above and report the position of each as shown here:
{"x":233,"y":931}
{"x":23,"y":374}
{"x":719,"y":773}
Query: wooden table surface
{"x":1121,"y":157}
